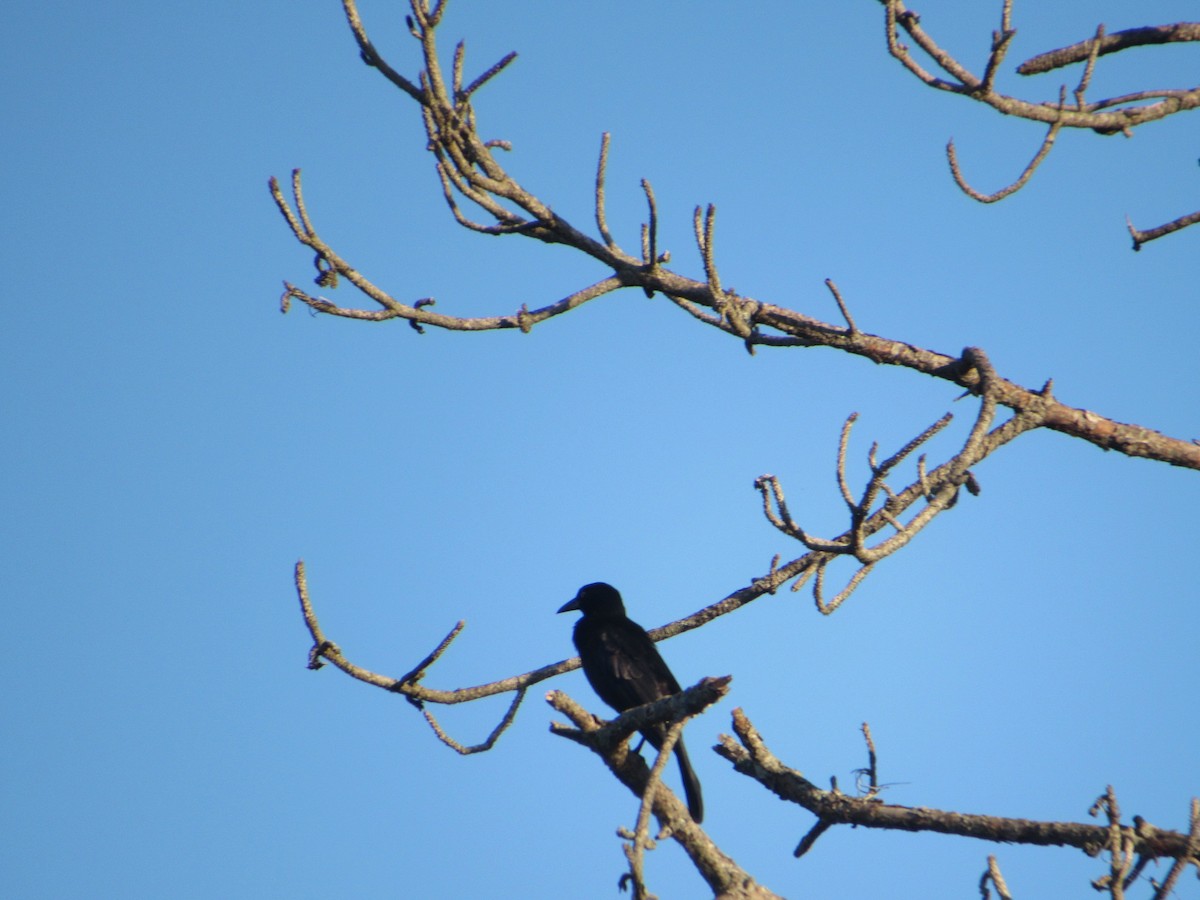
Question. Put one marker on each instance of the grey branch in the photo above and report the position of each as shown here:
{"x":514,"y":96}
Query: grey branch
{"x":751,"y":757}
{"x":1112,"y":115}
{"x":470,"y":174}
{"x":1118,"y":40}
{"x":610,"y":741}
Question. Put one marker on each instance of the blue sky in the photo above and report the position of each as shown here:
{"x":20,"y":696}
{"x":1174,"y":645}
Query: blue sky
{"x":172,"y":445}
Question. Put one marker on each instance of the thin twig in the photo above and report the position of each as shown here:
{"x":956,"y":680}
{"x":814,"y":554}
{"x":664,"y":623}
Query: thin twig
{"x":1086,"y":78}
{"x":843,"y":443}
{"x":500,"y":728}
{"x":1192,"y":856}
{"x":650,"y":236}
{"x":491,"y":73}
{"x":601,"y":217}
{"x":837,"y":295}
{"x":418,"y":672}
{"x":993,"y":874}
{"x":1042,"y":152}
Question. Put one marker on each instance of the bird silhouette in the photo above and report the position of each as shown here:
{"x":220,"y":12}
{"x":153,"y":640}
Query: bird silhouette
{"x":625,"y":668}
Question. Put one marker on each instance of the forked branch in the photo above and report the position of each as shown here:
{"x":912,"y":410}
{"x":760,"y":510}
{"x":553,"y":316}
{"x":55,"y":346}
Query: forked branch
{"x":609,"y":740}
{"x":877,"y":506}
{"x":471,"y":175}
{"x":1111,"y":115}
{"x":750,"y":756}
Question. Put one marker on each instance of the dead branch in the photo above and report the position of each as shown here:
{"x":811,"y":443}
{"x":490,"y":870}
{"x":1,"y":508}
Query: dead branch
{"x":1112,"y":115}
{"x":751,"y":757}
{"x":1117,"y":41}
{"x":1142,"y":237}
{"x":937,"y":491}
{"x":610,"y":741}
{"x":1043,"y":151}
{"x":639,"y":840}
{"x":961,"y":81}
{"x":1167,"y":888}
{"x":937,"y":488}
{"x":469,"y":171}
{"x":482,"y":196}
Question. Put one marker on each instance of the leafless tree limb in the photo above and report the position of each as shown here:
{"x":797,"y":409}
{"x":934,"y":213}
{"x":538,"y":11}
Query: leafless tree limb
{"x":1087,"y":115}
{"x":639,"y":840}
{"x":610,"y":741}
{"x":1120,"y":847}
{"x":1143,"y":237}
{"x":1112,"y":115}
{"x":938,"y":490}
{"x":1167,"y":888}
{"x":468,"y":169}
{"x":1043,"y":151}
{"x":483,"y":197}
{"x":837,"y":295}
{"x":1118,"y":40}
{"x":751,"y":757}
{"x":601,"y":174}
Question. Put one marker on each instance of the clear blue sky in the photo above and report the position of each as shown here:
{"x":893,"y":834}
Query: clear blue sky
{"x":172,"y":444}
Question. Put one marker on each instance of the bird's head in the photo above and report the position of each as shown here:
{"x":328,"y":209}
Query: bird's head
{"x":597,"y":599}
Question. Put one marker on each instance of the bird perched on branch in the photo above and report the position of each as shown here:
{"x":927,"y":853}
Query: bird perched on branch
{"x":624,"y":667}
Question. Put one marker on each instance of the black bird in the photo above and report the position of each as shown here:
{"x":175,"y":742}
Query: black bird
{"x":624,"y":667}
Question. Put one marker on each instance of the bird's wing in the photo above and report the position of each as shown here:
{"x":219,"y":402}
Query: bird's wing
{"x":626,"y":669}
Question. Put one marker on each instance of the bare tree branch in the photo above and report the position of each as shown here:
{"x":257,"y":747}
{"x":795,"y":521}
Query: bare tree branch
{"x":483,"y":197}
{"x":1118,"y":40}
{"x":610,"y":741}
{"x":1143,"y":237}
{"x":1087,"y":115}
{"x":1113,"y":115}
{"x":1042,"y":153}
{"x":751,"y":757}
{"x":1167,"y":888}
{"x":467,"y":168}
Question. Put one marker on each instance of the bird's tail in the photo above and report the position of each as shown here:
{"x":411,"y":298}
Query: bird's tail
{"x":691,"y":784}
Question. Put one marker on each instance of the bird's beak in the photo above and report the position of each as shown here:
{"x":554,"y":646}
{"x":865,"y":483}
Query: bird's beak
{"x":574,"y":604}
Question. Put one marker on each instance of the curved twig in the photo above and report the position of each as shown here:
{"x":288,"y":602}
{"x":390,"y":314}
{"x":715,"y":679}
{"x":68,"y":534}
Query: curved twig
{"x":1042,"y":153}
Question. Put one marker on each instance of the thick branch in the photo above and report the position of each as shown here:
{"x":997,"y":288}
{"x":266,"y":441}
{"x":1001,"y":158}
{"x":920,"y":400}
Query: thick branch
{"x":477,"y":173}
{"x":751,"y":757}
{"x":1112,"y":43}
{"x":466,"y":163}
{"x":609,"y":741}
